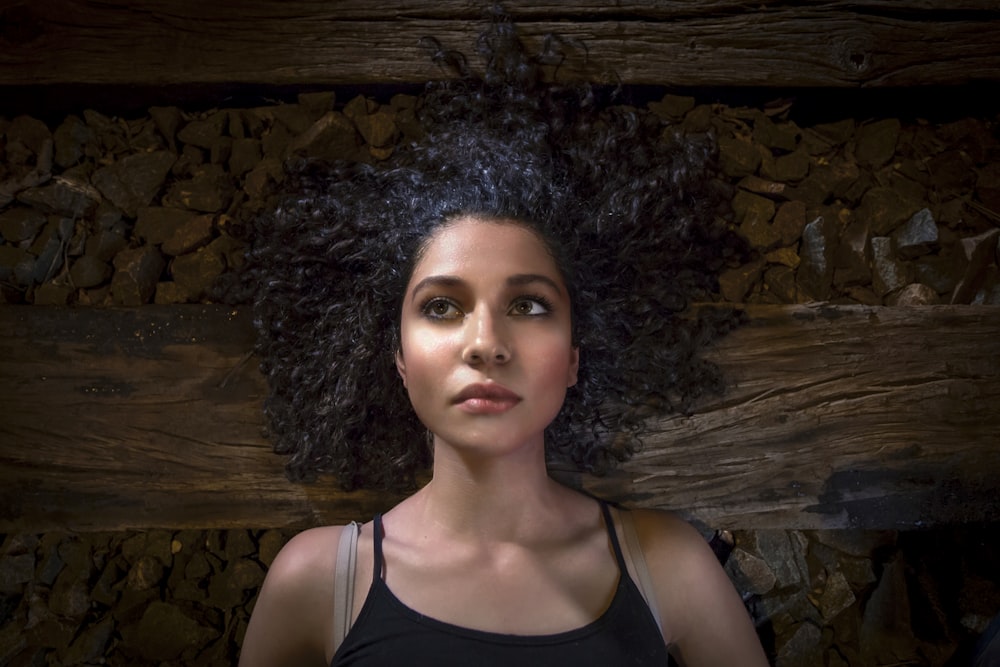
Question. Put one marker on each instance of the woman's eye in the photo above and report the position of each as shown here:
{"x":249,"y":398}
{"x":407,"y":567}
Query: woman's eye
{"x":441,"y":309}
{"x":530,"y":307}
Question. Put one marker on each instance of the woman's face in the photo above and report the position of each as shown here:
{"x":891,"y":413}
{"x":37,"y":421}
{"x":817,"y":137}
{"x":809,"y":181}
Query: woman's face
{"x":486,"y":350}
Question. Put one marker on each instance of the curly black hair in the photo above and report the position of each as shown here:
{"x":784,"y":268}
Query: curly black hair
{"x":627,"y":207}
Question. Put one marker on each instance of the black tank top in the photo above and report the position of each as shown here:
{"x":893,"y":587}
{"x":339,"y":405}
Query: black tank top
{"x":387,"y":632}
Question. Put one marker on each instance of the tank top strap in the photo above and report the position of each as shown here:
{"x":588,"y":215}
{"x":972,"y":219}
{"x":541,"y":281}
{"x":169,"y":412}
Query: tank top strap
{"x":609,"y":523}
{"x":377,"y":539}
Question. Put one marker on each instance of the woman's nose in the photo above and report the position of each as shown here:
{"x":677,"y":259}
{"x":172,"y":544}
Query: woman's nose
{"x":486,"y":339}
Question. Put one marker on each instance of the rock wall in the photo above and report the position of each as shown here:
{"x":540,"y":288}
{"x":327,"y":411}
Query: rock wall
{"x":99,"y":210}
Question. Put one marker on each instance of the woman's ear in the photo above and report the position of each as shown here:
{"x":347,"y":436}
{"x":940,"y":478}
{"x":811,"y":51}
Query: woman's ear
{"x":401,"y":366}
{"x":574,"y":367}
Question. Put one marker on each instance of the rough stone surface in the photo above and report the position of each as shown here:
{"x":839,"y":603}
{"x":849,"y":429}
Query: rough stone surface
{"x":819,"y":244}
{"x":134,"y":181}
{"x":136,"y":274}
{"x":918,"y":236}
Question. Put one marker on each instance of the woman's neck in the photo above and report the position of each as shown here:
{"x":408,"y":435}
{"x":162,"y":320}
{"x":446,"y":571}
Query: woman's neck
{"x":504,"y":497}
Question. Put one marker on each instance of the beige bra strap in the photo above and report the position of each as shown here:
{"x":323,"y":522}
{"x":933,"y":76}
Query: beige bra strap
{"x":633,"y":553}
{"x":343,"y":583}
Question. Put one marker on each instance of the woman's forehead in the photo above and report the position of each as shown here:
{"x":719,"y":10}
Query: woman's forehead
{"x":485,"y":244}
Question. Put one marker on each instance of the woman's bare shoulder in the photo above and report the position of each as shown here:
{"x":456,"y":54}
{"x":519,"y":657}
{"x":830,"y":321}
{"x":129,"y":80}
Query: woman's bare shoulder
{"x":703,"y":616}
{"x":292,"y":617}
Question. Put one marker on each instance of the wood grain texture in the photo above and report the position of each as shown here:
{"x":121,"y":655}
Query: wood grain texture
{"x":683,"y":43}
{"x":836,"y":417}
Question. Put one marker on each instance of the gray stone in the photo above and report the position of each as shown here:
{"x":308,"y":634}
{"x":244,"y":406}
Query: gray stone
{"x":89,"y":271}
{"x":233,"y":585}
{"x":755,"y":213}
{"x":785,"y":560}
{"x":145,"y":573}
{"x":886,"y":630}
{"x":918,"y":236}
{"x":989,"y":293}
{"x":167,"y":120}
{"x":105,"y":590}
{"x":105,"y":244}
{"x":156,"y":224}
{"x":70,"y":596}
{"x":239,"y":544}
{"x":295,"y":117}
{"x":790,"y":168}
{"x":262,"y":178}
{"x":836,"y":133}
{"x":978,"y":252}
{"x":859,"y":572}
{"x":738,"y":157}
{"x":30,"y":132}
{"x":190,"y":235}
{"x":221,"y":151}
{"x":21,"y":223}
{"x":780,"y":136}
{"x":231,"y":249}
{"x":16,"y":264}
{"x":378,"y":129}
{"x":853,"y":258}
{"x":750,"y":574}
{"x":53,"y":294}
{"x":331,"y":137}
{"x":110,"y":134}
{"x":198,"y":568}
{"x":940,"y":273}
{"x":206,"y":131}
{"x":89,"y":647}
{"x":196,"y":272}
{"x":952,"y":170}
{"x":876,"y":142}
{"x":884,"y":210}
{"x":318,"y":103}
{"x":789,"y":221}
{"x":672,"y":107}
{"x":51,"y":249}
{"x":12,"y":642}
{"x":780,"y":281}
{"x":889,"y":273}
{"x":819,"y":245}
{"x":136,"y":273}
{"x":16,"y":544}
{"x":15,"y":571}
{"x":245,"y":155}
{"x":837,"y":596}
{"x":914,"y":294}
{"x":736,"y":283}
{"x":169,"y":292}
{"x":803,"y":648}
{"x":208,"y":190}
{"x":134,"y":181}
{"x":165,"y":632}
{"x":63,"y":196}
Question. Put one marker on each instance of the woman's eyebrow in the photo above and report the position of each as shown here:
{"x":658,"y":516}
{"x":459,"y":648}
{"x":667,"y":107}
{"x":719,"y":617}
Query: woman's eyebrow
{"x":516,"y":280}
{"x":521,"y":279}
{"x":436,"y":281}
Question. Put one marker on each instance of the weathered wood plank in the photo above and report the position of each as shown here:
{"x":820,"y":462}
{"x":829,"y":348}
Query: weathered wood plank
{"x":681,"y":43}
{"x":837,"y":416}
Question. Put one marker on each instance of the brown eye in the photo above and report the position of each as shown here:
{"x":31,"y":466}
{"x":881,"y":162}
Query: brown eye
{"x":530,"y":307}
{"x":441,"y":309}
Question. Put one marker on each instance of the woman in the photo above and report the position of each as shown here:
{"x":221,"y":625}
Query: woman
{"x":514,"y":277}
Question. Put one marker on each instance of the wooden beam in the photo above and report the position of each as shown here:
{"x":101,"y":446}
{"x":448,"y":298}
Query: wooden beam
{"x":837,"y":416}
{"x":773,"y":43}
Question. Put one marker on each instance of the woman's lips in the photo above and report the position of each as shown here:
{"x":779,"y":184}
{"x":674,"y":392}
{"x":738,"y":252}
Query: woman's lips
{"x":486,"y":399}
